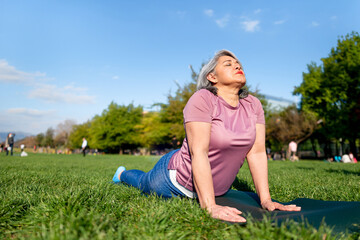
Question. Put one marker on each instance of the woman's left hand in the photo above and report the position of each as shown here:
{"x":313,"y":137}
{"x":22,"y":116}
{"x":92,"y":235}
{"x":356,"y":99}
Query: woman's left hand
{"x":271,"y":206}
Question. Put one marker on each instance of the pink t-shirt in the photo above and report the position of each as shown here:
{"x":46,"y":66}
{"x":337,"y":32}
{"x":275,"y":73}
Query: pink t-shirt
{"x":232,"y":136}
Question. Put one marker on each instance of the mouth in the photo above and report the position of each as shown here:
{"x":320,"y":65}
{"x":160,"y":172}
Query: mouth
{"x":240,"y":72}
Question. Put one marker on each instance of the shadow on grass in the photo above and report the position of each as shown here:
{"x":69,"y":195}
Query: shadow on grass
{"x":343,"y":171}
{"x":241,"y":185}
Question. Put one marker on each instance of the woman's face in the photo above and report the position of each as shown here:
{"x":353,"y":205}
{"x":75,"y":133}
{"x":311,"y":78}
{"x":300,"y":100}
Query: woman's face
{"x":228,"y":72}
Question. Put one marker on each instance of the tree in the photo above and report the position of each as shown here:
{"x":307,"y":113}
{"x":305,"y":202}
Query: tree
{"x":79,"y":132}
{"x":39,"y":139}
{"x":49,"y":137}
{"x":153,"y":132}
{"x":332,"y":90}
{"x":290,"y":124}
{"x":62,"y":133}
{"x":115,"y":129}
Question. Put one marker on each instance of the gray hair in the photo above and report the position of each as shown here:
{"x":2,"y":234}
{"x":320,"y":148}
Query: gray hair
{"x":203,"y":82}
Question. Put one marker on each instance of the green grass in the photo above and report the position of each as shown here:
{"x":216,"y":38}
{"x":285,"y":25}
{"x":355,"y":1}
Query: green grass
{"x":70,"y":197}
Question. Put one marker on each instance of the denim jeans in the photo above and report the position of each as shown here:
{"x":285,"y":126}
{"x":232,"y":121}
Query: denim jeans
{"x":157,"y":180}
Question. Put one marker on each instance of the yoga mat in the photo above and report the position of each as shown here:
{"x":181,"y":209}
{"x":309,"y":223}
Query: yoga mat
{"x":339,"y":215}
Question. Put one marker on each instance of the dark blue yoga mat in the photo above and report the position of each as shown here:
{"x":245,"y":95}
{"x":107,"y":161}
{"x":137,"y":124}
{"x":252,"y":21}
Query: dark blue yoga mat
{"x":340,"y":215}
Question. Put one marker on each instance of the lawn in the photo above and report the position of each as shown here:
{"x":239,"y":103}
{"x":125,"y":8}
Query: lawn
{"x":71,"y":197}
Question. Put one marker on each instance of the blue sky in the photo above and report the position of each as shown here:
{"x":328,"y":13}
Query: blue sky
{"x":69,"y":59}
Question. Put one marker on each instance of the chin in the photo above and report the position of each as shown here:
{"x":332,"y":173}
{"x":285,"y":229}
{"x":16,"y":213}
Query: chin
{"x":242,"y":83}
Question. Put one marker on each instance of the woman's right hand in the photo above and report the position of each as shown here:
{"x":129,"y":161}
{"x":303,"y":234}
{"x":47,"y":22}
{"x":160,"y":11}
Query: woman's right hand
{"x":198,"y":136}
{"x":225,"y":213}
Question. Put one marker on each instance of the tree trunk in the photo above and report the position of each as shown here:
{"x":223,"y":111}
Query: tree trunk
{"x":353,"y":148}
{"x":314,"y":147}
{"x":327,"y":149}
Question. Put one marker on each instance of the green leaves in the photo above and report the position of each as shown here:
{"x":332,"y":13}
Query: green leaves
{"x":332,"y":90}
{"x":290,"y":124}
{"x":115,"y":129}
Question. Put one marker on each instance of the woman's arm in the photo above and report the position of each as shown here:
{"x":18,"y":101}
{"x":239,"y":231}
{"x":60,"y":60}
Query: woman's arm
{"x":198,"y":137}
{"x":257,"y":161}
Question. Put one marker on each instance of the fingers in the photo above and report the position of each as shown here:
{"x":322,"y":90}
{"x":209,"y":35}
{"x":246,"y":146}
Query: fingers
{"x":227,"y":214}
{"x":231,"y":217}
{"x":235,"y":210}
{"x":271,"y":206}
{"x":291,"y":207}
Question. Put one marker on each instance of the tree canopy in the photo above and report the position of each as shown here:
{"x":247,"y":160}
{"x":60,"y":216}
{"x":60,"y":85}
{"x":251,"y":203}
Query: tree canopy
{"x":115,"y":128}
{"x":332,"y":90}
{"x":290,"y":124}
{"x":79,"y":132}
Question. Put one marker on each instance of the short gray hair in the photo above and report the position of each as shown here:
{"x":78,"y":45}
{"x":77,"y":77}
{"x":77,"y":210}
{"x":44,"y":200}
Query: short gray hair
{"x":203,"y":82}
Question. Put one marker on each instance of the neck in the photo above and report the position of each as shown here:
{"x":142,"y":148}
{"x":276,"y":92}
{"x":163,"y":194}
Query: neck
{"x":231,"y":96}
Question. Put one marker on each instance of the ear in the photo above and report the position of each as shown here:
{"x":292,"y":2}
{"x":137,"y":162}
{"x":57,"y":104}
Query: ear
{"x":212,"y":78}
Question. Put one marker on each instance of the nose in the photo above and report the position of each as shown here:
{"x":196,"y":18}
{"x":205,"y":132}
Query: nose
{"x":237,"y":66}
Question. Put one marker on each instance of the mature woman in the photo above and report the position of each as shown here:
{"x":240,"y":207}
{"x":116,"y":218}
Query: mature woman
{"x":223,"y":125}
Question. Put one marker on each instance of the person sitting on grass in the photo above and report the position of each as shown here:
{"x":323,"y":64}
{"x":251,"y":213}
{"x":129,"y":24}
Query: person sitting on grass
{"x":223,"y":125}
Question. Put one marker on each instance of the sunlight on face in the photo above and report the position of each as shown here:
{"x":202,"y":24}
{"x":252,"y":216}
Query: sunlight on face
{"x":228,"y":71}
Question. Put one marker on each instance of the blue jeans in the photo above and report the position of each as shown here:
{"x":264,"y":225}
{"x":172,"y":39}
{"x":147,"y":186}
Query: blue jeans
{"x":157,"y":180}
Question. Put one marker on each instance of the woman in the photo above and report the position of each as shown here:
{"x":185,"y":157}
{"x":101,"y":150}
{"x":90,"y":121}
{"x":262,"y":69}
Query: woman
{"x":223,"y":125}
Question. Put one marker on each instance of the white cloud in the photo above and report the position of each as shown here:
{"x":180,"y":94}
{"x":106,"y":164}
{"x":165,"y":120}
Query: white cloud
{"x":115,"y":77}
{"x":251,"y":26}
{"x":71,"y":87}
{"x":29,"y":112}
{"x":314,"y":24}
{"x":279,"y":22}
{"x":209,"y":12}
{"x":47,"y":92}
{"x":27,"y":120}
{"x":223,"y":21}
{"x":67,"y":94}
{"x":9,"y":74}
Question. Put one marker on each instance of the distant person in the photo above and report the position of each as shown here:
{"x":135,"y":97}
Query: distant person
{"x":337,"y":158}
{"x":224,"y":125}
{"x":292,"y":150}
{"x":346,"y":159}
{"x":22,"y":147}
{"x":268,"y":153}
{"x":352,"y":158}
{"x":10,"y":143}
{"x":23,"y":153}
{"x":283,"y":153}
{"x":84,"y":146}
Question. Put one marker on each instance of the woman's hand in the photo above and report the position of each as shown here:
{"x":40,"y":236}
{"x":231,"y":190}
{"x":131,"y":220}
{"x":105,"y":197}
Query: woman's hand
{"x":225,"y":213}
{"x":271,"y":206}
{"x":198,"y":135}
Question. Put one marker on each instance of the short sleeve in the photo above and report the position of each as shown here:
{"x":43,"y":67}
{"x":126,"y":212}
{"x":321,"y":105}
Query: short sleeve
{"x":259,"y":111}
{"x":199,"y":107}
